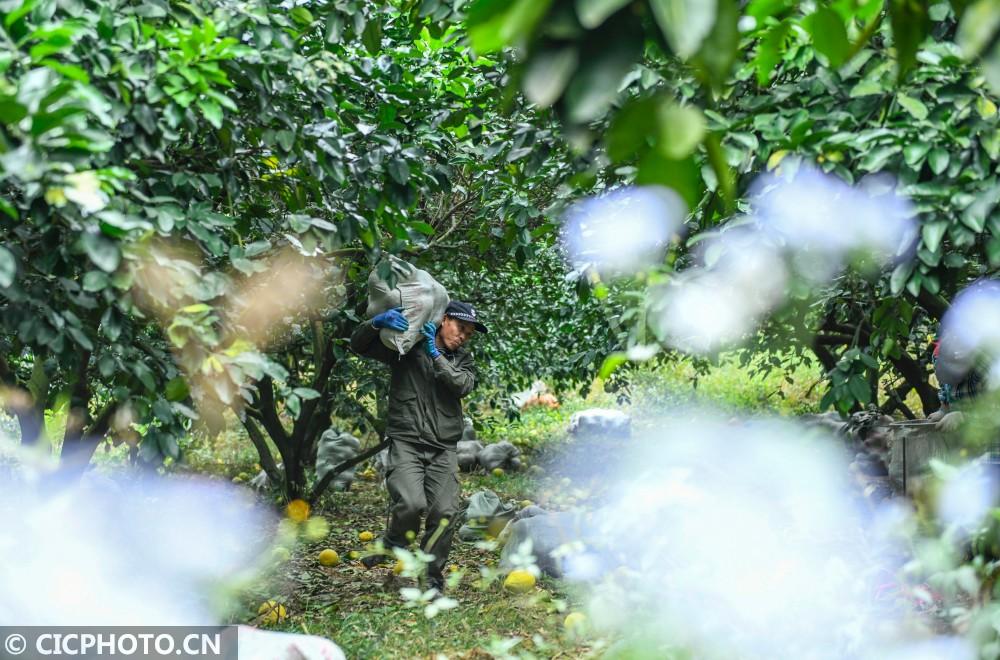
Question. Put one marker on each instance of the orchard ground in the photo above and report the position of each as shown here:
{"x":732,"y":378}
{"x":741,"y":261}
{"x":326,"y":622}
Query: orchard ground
{"x":361,"y":609}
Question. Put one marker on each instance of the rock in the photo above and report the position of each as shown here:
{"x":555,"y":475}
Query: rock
{"x":498,"y":455}
{"x":468,"y":454}
{"x":335,"y":447}
{"x":600,"y":421}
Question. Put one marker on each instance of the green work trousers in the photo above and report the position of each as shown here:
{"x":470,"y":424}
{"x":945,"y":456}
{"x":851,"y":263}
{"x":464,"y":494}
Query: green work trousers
{"x":423,"y":483}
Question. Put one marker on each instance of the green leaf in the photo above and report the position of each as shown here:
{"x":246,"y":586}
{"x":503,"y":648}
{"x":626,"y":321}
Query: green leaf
{"x":938,"y":160}
{"x":986,"y":108}
{"x":372,"y":36}
{"x":684,"y":23}
{"x":547,"y":74}
{"x":176,"y":389}
{"x":399,"y":171}
{"x":910,"y":25}
{"x":595,"y":84}
{"x":8,"y":267}
{"x":95,"y":280}
{"x":683,"y":176}
{"x":719,"y":49}
{"x":495,"y":24}
{"x":932,"y":233}
{"x":993,"y":251}
{"x":422,"y":227}
{"x":829,"y":35}
{"x":859,"y":389}
{"x":913,"y":106}
{"x":980,"y":22}
{"x":80,"y":337}
{"x":293,"y":405}
{"x":306,"y":393}
{"x":593,"y":12}
{"x":681,"y":129}
{"x":914,"y":152}
{"x":899,"y":277}
{"x":211,"y":111}
{"x":302,"y":16}
{"x":102,"y":251}
{"x":611,"y":363}
{"x":631,"y":128}
{"x":770,"y":50}
{"x":286,"y":139}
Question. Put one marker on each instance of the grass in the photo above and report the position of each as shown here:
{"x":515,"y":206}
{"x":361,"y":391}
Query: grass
{"x":362,"y":611}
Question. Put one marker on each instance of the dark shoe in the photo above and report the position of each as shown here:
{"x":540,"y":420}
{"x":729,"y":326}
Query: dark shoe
{"x":371,"y":561}
{"x":436,"y":582}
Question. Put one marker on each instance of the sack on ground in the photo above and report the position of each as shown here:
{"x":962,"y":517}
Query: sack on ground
{"x":262,"y":482}
{"x":422,"y":298}
{"x":499,"y":455}
{"x":335,"y":447}
{"x":562,"y":543}
{"x":468,"y":430}
{"x":600,"y":421}
{"x":468,"y":452}
{"x":485,"y":516}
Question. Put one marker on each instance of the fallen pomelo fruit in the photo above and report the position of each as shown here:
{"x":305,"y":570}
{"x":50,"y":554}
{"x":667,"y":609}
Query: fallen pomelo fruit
{"x":365,"y":537}
{"x":272,"y":612}
{"x":329,"y":557}
{"x":526,"y":503}
{"x":519,"y":581}
{"x":575,"y":623}
{"x":497,"y":472}
{"x":298,"y":510}
{"x":353,"y":554}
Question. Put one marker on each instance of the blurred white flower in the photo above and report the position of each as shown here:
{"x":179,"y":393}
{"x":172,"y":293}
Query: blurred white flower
{"x":117,"y":552}
{"x":624,"y":231}
{"x":84,"y":189}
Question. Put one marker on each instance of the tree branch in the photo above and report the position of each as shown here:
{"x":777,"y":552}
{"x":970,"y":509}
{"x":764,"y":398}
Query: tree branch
{"x":263,"y":451}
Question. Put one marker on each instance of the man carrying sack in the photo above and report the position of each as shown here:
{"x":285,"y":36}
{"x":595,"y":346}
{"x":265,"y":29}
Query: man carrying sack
{"x":423,"y":426}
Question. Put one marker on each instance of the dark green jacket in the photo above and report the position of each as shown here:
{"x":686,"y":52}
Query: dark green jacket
{"x":425,"y":395}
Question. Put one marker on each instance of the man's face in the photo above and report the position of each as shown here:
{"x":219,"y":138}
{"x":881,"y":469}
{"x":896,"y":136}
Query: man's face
{"x":455,"y":332}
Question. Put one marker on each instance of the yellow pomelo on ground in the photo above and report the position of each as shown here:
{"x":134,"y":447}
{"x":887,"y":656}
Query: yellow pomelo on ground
{"x":398,"y":567}
{"x":281,"y":553}
{"x":365,"y":537}
{"x":575,"y":623}
{"x":353,"y":554}
{"x":329,"y":557}
{"x":298,"y":510}
{"x":519,"y":581}
{"x":497,"y":472}
{"x":526,"y":503}
{"x":317,"y":528}
{"x":272,"y":612}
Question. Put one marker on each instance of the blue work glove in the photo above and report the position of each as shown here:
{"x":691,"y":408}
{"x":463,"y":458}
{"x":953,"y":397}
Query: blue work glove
{"x":430,"y":331}
{"x":392,"y":319}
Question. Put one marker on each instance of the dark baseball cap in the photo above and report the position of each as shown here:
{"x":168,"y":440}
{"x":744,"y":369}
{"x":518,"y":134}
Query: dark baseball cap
{"x":464,"y":312}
